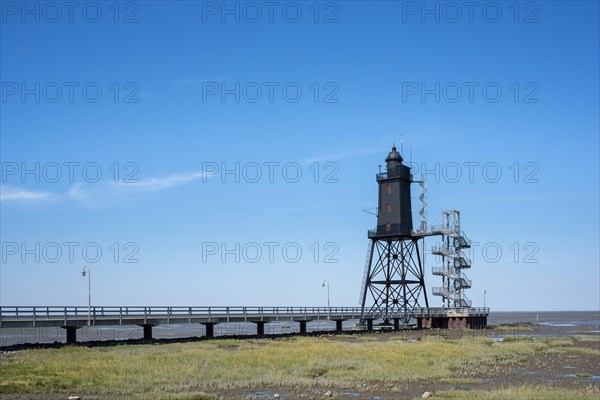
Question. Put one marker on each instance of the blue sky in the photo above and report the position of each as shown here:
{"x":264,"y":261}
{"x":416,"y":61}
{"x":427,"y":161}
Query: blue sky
{"x":174,"y":93}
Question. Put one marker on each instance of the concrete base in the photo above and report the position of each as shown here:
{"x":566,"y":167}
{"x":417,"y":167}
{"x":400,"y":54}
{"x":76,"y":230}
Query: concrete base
{"x":71,"y":334}
{"x":453,"y":322}
{"x":432,"y":323}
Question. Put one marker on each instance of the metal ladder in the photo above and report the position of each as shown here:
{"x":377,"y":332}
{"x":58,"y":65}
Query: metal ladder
{"x":365,"y":274}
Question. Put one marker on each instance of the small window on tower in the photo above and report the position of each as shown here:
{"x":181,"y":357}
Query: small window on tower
{"x":388,"y":227}
{"x":388,"y":208}
{"x":388,"y":188}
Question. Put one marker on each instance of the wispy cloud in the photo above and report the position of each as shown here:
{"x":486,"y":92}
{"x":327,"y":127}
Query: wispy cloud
{"x":159,"y":183}
{"x":8,"y":193}
{"x":113,"y":192}
{"x":102,"y":193}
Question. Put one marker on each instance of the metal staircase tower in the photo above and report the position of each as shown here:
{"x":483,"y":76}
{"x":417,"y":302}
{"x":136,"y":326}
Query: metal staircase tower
{"x":454,"y":260}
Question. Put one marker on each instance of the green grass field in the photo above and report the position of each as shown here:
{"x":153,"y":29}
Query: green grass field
{"x":184,"y":370}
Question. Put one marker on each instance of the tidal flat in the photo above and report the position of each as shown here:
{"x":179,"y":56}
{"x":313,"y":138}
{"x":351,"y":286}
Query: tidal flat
{"x":391,"y":365}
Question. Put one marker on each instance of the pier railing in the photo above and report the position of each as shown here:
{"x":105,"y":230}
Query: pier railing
{"x":133,"y":315}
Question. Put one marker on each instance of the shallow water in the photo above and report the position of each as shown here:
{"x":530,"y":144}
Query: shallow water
{"x":576,"y":319}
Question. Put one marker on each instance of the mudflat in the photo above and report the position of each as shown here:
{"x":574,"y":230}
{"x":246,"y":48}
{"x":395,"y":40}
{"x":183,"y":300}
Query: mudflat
{"x":516,"y":361}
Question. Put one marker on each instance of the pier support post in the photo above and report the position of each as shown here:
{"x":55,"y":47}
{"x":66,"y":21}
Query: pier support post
{"x":338,"y":325}
{"x":71,"y":334}
{"x":302,"y":327}
{"x":147,"y":331}
{"x":478,"y":322}
{"x":369,"y":325}
{"x":396,"y":324}
{"x":474,"y":322}
{"x":260,"y":328}
{"x":210,"y":329}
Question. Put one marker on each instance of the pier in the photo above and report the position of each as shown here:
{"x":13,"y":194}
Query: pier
{"x":73,"y":318}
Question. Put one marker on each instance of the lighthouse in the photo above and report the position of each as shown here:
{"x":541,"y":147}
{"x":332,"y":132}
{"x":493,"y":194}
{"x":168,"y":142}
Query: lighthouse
{"x":394,"y":279}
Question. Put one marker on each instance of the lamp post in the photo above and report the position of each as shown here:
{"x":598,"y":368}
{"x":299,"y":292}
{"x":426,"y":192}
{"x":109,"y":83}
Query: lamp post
{"x":326,"y":282}
{"x":88,"y":271}
{"x":484,"y":293}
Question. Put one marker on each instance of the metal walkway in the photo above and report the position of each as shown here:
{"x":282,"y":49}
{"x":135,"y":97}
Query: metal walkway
{"x":82,"y":316}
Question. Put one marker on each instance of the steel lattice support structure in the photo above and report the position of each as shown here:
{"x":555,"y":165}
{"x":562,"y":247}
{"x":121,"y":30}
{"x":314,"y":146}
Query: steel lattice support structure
{"x":395,"y":276}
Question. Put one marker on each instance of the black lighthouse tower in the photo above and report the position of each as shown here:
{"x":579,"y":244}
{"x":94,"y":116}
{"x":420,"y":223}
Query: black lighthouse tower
{"x":394,"y":280}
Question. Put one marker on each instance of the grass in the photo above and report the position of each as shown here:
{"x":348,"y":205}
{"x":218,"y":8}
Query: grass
{"x":518,"y":339}
{"x":567,"y":345}
{"x":588,"y":339}
{"x":514,"y":327}
{"x":560,"y":344}
{"x":162,"y":371}
{"x":586,"y":332}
